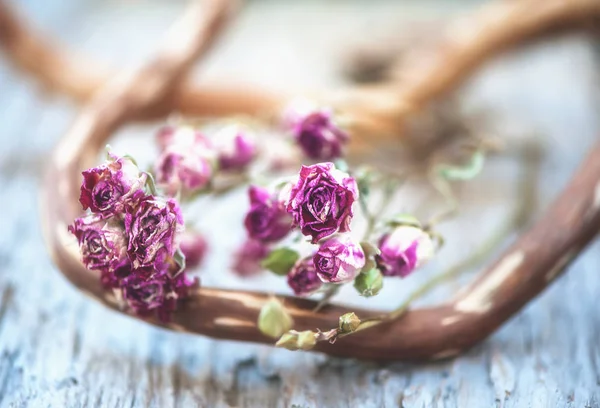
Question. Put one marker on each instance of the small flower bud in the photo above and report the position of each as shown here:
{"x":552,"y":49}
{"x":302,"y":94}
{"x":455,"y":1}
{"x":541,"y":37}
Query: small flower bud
{"x":236,"y":148}
{"x":404,"y":250}
{"x":315,"y":131}
{"x":186,"y":162}
{"x":339,"y":260}
{"x":349,"y":322}
{"x":303,"y":278}
{"x":288,"y":340}
{"x":306,"y":340}
{"x":294,"y":340}
{"x":273,"y":319}
{"x":369,"y":283}
{"x":194,"y":246}
{"x":267,"y":219}
{"x":247,"y":259}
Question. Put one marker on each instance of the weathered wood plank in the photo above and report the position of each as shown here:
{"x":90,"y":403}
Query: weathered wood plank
{"x":57,"y":348}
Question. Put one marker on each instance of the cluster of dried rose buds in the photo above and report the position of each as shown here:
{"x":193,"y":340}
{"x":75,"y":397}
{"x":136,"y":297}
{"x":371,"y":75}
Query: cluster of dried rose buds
{"x":189,"y":161}
{"x":319,"y":204}
{"x":132,"y":237}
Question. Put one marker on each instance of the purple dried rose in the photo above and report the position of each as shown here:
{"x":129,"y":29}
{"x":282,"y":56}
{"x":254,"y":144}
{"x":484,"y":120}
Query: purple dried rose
{"x":102,"y":242}
{"x":194,"y":246}
{"x":153,"y":230}
{"x":107,"y":189}
{"x":236,"y":148}
{"x":404,"y":250}
{"x":319,"y":137}
{"x":158,"y":293}
{"x":321,"y":201}
{"x":267,"y":220}
{"x":339,"y":260}
{"x":303,"y":278}
{"x":248,"y":258}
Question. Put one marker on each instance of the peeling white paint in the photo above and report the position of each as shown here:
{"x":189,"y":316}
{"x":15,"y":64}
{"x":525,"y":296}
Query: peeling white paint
{"x":561,"y":264}
{"x":231,"y":321}
{"x":447,"y":321}
{"x":478,"y":300}
{"x":445,"y":354}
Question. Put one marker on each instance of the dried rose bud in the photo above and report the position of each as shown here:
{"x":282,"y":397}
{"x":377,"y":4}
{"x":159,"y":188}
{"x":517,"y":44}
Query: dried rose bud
{"x":273,"y":319}
{"x":248,"y":258}
{"x":236,"y":148}
{"x":165,"y":135}
{"x":303,"y":278}
{"x":321,"y":201}
{"x":319,"y":137}
{"x":349,"y":322}
{"x":403,"y":250}
{"x":102,"y":242}
{"x":369,"y":282}
{"x":194,"y":246}
{"x":267,"y":219}
{"x":295,"y":340}
{"x":339,"y":260}
{"x":153,"y":229}
{"x":109,"y":188}
{"x":186,"y":163}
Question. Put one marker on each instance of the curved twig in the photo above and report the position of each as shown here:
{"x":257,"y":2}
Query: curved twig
{"x":373,"y":112}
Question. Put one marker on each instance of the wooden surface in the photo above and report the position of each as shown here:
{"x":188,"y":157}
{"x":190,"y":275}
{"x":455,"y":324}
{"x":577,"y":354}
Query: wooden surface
{"x":59,"y":349}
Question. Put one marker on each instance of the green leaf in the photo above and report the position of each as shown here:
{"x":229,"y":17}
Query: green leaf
{"x":466,"y":172}
{"x":281,"y":260}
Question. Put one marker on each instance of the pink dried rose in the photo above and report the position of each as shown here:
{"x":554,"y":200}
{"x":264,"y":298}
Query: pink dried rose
{"x":339,"y":260}
{"x":102,"y":242}
{"x":321,"y":201}
{"x":194,"y":247}
{"x":404,"y":250}
{"x":186,"y":162}
{"x":109,"y":188}
{"x":236,"y":148}
{"x":248,"y":258}
{"x":165,"y":135}
{"x":303,"y":278}
{"x":153,"y":230}
{"x":319,"y":137}
{"x":267,"y":219}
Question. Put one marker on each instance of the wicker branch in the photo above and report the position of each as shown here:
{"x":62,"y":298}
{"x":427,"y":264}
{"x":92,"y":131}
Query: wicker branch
{"x":80,"y":77}
{"x":374,"y":112}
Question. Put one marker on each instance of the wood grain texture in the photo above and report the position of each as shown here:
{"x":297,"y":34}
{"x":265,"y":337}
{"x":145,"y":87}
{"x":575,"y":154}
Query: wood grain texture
{"x":57,"y":348}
